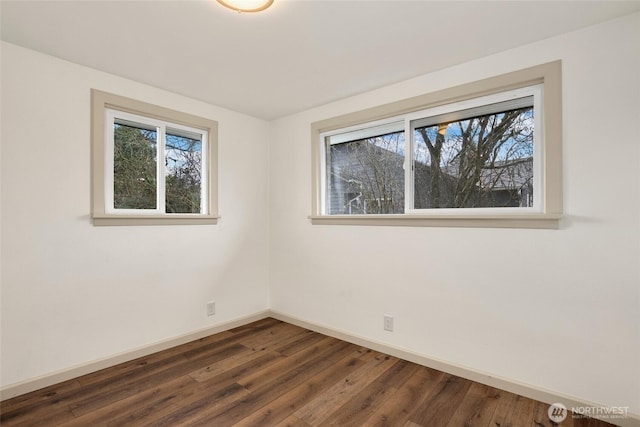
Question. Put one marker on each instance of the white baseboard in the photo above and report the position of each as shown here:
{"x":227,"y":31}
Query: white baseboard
{"x":37,"y":383}
{"x":526,"y":390}
{"x":513,"y":386}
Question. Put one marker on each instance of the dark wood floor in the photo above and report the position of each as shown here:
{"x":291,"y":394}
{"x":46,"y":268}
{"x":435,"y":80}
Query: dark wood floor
{"x":270,"y":373}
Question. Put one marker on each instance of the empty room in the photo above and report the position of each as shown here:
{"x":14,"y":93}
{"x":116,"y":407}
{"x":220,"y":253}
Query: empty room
{"x":320,"y":212}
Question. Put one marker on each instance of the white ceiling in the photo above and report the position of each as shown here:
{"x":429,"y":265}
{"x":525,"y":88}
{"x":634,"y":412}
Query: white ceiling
{"x":296,"y":55}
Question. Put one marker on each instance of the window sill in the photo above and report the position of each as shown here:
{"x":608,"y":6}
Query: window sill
{"x":110,"y":220}
{"x":546,"y":220}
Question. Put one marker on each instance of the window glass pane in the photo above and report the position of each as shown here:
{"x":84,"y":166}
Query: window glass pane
{"x":183,"y":160}
{"x":366,"y":176}
{"x":480,"y":161}
{"x":134,"y":166}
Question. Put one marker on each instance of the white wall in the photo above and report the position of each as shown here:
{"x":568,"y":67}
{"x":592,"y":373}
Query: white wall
{"x":73,"y":293}
{"x":556,"y":309}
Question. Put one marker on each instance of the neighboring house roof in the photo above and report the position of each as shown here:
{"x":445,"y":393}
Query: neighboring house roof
{"x":516,"y":174}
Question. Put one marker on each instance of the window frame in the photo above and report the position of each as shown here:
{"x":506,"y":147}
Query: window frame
{"x":549,"y":167}
{"x":389,"y":125}
{"x":163,"y":128}
{"x":102,"y":213}
{"x":455,"y":109}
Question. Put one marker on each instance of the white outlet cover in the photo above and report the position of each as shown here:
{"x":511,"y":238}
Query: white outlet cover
{"x":388,"y":323}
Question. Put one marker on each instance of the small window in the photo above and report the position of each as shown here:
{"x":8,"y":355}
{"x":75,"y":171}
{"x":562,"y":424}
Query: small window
{"x":492,"y":159}
{"x":151,"y":165}
{"x":154,"y":167}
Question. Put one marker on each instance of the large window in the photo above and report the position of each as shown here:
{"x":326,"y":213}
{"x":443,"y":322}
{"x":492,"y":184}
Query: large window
{"x":474,"y":160}
{"x":151,"y":165}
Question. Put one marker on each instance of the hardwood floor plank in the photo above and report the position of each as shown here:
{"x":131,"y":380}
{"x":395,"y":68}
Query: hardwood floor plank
{"x":256,"y":326}
{"x":274,"y":336}
{"x":280,"y":408}
{"x":43,"y":400}
{"x":91,"y":392}
{"x":504,"y":409}
{"x":40,"y":417}
{"x":215,"y":394}
{"x":30,"y":400}
{"x":240,"y":370}
{"x":360,"y":407}
{"x":292,"y":421}
{"x":399,"y":374}
{"x":285,"y":364}
{"x":396,"y":410}
{"x":289,"y":379}
{"x":98,"y":397}
{"x":439,"y":407}
{"x":524,"y":412}
{"x":214,"y":369}
{"x":304,"y":341}
{"x":322,"y":407}
{"x":368,"y":354}
{"x":157,"y":358}
{"x":206,"y":402}
{"x":477,"y":407}
{"x":541,"y":416}
{"x":137,"y":405}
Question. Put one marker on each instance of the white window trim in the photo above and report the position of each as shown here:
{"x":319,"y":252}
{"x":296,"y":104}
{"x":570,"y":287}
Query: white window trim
{"x":161,"y":127}
{"x":548,"y":167}
{"x":392,"y":124}
{"x":102,"y":162}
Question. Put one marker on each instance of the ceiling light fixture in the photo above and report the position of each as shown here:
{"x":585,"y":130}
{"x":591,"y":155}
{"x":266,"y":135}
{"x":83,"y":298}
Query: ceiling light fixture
{"x":246,"y":5}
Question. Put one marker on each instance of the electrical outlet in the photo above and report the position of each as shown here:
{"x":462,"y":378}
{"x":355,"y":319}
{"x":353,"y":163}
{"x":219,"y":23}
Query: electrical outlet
{"x":211,"y":308}
{"x":388,"y":322}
